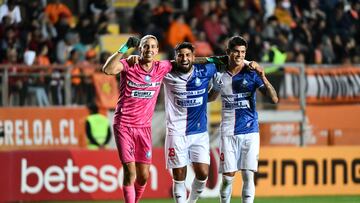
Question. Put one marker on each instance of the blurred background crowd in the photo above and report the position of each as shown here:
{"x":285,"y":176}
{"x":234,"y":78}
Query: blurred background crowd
{"x":67,"y":33}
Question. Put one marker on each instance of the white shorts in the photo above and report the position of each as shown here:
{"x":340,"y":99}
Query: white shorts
{"x":180,"y":151}
{"x":239,"y":152}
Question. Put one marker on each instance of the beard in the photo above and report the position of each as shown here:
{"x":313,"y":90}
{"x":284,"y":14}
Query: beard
{"x":184,"y":68}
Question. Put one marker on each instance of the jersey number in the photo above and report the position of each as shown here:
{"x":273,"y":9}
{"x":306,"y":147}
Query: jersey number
{"x":171,"y":152}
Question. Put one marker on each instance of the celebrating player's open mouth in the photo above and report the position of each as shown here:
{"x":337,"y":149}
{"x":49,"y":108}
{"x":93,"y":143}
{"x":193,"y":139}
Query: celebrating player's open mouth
{"x":148,"y":54}
{"x":185,"y":64}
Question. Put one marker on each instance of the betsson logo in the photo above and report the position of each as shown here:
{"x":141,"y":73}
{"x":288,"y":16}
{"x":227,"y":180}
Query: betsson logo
{"x":54,"y":179}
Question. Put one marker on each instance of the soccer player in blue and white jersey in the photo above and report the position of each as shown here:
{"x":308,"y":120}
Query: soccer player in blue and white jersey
{"x":239,"y":147}
{"x":187,"y":139}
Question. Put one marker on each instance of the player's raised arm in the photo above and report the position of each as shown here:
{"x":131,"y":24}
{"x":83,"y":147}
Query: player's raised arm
{"x":267,"y":89}
{"x":113,"y":65}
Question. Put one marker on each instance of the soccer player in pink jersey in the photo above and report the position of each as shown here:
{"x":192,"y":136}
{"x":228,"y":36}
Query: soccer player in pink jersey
{"x":139,"y":87}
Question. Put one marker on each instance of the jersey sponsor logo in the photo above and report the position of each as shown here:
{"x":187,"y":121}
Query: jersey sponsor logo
{"x":152,"y":84}
{"x":239,"y":95}
{"x":244,"y":104}
{"x":142,"y":94}
{"x":189,"y":93}
{"x":192,"y":102}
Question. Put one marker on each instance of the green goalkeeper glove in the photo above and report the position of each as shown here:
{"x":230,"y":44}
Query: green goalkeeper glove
{"x":218,"y":60}
{"x":131,"y":42}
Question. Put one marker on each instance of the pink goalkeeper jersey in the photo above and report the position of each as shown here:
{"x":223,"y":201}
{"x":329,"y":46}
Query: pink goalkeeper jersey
{"x":138,"y":93}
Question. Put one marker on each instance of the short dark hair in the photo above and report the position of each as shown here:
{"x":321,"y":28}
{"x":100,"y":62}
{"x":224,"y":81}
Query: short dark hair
{"x":184,"y":45}
{"x":237,"y":41}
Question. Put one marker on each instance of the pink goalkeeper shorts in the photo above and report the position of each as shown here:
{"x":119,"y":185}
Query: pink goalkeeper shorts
{"x":134,"y":144}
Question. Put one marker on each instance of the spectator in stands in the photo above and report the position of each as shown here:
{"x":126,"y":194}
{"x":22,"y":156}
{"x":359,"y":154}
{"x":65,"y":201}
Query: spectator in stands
{"x":100,"y":9}
{"x":275,"y":53}
{"x":141,"y":17}
{"x":18,"y":87}
{"x":271,"y":29}
{"x":11,"y":9}
{"x":33,"y":10}
{"x":98,"y":131}
{"x":36,"y":85}
{"x":48,"y":30}
{"x":64,"y":47}
{"x":327,"y":50}
{"x":10,"y":41}
{"x":202,"y":47}
{"x":87,"y":31}
{"x":268,"y":7}
{"x":55,"y":9}
{"x":283,"y":14}
{"x":62,"y":27}
{"x":179,"y":31}
{"x":4,"y":25}
{"x":213,"y":28}
{"x":57,"y":86}
{"x":76,"y":76}
{"x":88,"y":67}
{"x":80,"y":47}
{"x":238,"y":14}
{"x":161,"y":18}
{"x":42,"y":57}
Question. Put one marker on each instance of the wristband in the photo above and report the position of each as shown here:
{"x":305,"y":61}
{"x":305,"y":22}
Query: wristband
{"x":123,"y":49}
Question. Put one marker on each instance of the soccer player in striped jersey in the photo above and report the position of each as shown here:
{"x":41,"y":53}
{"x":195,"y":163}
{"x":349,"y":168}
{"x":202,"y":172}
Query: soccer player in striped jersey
{"x":139,"y":88}
{"x":239,"y":146}
{"x":187,"y":139}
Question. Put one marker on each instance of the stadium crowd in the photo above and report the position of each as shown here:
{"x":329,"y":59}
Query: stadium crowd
{"x":311,"y":32}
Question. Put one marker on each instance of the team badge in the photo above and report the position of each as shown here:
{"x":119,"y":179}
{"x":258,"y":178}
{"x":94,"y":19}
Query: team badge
{"x":197,"y":82}
{"x":244,"y":83}
{"x":147,"y":78}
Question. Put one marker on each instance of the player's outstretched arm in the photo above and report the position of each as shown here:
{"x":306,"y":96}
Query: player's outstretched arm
{"x":217,"y":60}
{"x":268,"y":90}
{"x":113,"y":65}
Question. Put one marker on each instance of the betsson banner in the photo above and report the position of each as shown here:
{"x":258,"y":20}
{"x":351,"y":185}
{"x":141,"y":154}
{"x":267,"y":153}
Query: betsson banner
{"x":41,"y":128}
{"x":97,"y":175}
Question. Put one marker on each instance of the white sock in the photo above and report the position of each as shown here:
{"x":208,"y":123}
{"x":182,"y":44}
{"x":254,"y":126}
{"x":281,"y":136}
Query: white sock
{"x":226,"y":188}
{"x":197,"y":188}
{"x":179,"y":191}
{"x":248,"y":191}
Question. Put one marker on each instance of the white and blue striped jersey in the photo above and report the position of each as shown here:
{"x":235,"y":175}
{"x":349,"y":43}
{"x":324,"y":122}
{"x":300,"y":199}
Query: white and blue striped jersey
{"x":186,"y":96}
{"x":238,"y":97}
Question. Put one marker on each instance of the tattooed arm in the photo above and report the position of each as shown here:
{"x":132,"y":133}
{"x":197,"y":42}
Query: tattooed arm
{"x":267,"y":89}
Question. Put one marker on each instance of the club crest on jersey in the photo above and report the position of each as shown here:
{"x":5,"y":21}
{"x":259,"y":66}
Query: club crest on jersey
{"x":244,"y":83}
{"x":147,"y":78}
{"x":197,"y":82}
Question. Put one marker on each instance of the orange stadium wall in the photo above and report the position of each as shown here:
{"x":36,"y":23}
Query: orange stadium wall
{"x":326,"y":125}
{"x":42,"y":128}
{"x":80,"y":174}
